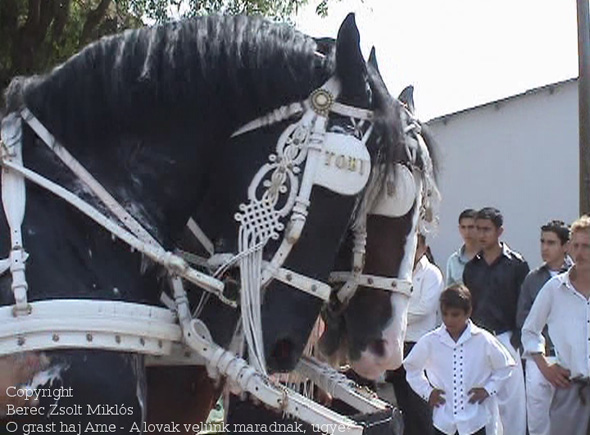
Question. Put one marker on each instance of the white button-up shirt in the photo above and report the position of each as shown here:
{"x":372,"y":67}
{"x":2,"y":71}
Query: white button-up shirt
{"x":477,"y":359}
{"x":427,"y":283}
{"x":566,"y":312}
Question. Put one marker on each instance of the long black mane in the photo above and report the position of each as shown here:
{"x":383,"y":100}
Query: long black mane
{"x":200,"y":78}
{"x":175,"y":67}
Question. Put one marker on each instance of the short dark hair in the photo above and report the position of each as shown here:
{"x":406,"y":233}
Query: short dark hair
{"x":468,"y":213}
{"x":560,"y":229}
{"x":492,"y":214}
{"x":456,"y":296}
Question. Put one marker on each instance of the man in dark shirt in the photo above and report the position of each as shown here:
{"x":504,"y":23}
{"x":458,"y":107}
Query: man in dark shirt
{"x":494,"y":277}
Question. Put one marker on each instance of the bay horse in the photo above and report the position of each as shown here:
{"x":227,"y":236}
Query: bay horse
{"x":149,"y":113}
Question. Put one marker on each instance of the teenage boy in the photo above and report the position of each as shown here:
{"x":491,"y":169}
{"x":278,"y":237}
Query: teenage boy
{"x":494,"y":277}
{"x":458,"y":369}
{"x":457,"y":261}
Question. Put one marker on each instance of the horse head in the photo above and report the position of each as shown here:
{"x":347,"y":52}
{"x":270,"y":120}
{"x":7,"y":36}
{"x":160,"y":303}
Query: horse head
{"x":366,"y":320}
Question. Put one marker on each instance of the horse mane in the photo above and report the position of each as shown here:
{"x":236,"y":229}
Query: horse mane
{"x":388,"y":127}
{"x":388,"y":148}
{"x":433,"y":150}
{"x":127,"y":81}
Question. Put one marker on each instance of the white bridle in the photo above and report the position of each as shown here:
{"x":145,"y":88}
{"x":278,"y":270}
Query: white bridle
{"x":336,"y":161}
{"x":413,"y":187}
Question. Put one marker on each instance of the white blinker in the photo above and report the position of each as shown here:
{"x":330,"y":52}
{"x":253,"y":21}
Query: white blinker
{"x":399,"y":195}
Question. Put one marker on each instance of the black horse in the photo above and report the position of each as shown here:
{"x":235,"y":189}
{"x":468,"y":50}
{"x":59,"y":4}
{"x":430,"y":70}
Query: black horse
{"x":149,"y":113}
{"x":366,"y":330}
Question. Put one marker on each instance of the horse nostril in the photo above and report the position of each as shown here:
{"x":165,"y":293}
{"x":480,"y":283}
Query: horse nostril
{"x":377,"y":347}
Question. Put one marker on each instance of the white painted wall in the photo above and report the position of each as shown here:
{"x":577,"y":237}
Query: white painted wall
{"x":519,"y":155}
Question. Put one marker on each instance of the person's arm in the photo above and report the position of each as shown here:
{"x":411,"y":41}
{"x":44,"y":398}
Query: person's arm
{"x":432,"y":284}
{"x":522,"y":271}
{"x":448,"y":278}
{"x":532,"y":330}
{"x":558,"y":376}
{"x":415,"y":364}
{"x":501,"y":364}
{"x":534,"y":342}
{"x":467,"y":276}
{"x":525,"y":300}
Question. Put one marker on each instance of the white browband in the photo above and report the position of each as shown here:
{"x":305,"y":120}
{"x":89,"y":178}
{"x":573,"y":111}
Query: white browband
{"x":289,"y":111}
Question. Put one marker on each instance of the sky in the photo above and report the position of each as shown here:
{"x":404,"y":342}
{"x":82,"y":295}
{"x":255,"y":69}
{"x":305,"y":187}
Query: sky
{"x":459,"y":53}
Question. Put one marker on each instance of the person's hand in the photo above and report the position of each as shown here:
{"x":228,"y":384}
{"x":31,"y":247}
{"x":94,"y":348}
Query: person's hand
{"x":478,"y":395}
{"x":558,"y":376}
{"x":16,"y":370}
{"x":436,"y":398}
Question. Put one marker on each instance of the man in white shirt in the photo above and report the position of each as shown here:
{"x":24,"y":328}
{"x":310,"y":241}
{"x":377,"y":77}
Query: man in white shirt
{"x":563,"y":304}
{"x":459,"y":368}
{"x":427,"y":281}
{"x":555,"y":236}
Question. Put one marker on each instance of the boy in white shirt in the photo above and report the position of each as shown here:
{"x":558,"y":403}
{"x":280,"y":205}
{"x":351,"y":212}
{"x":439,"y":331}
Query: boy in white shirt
{"x":457,"y":367}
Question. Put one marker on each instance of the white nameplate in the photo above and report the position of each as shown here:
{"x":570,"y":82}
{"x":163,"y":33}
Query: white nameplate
{"x":345,"y":164}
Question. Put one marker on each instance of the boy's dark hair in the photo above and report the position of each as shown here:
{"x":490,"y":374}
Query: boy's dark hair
{"x":468,"y":213}
{"x":492,"y":214}
{"x":456,"y":296}
{"x":559,"y":228}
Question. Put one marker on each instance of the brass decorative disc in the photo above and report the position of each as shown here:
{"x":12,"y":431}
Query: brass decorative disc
{"x":321,"y":101}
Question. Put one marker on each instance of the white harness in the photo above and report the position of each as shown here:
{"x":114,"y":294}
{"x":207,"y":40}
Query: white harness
{"x":132,"y":327}
{"x":410,"y":188}
{"x":336,"y":161}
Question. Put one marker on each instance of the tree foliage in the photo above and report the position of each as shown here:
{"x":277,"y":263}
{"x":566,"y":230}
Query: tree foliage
{"x":36,"y":35}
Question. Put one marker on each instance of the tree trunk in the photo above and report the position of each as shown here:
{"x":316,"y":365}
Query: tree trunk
{"x":93,"y":19}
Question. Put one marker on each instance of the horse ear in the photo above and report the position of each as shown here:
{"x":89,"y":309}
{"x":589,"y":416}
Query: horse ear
{"x":407,"y":98}
{"x":350,"y":64}
{"x":373,"y":60}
